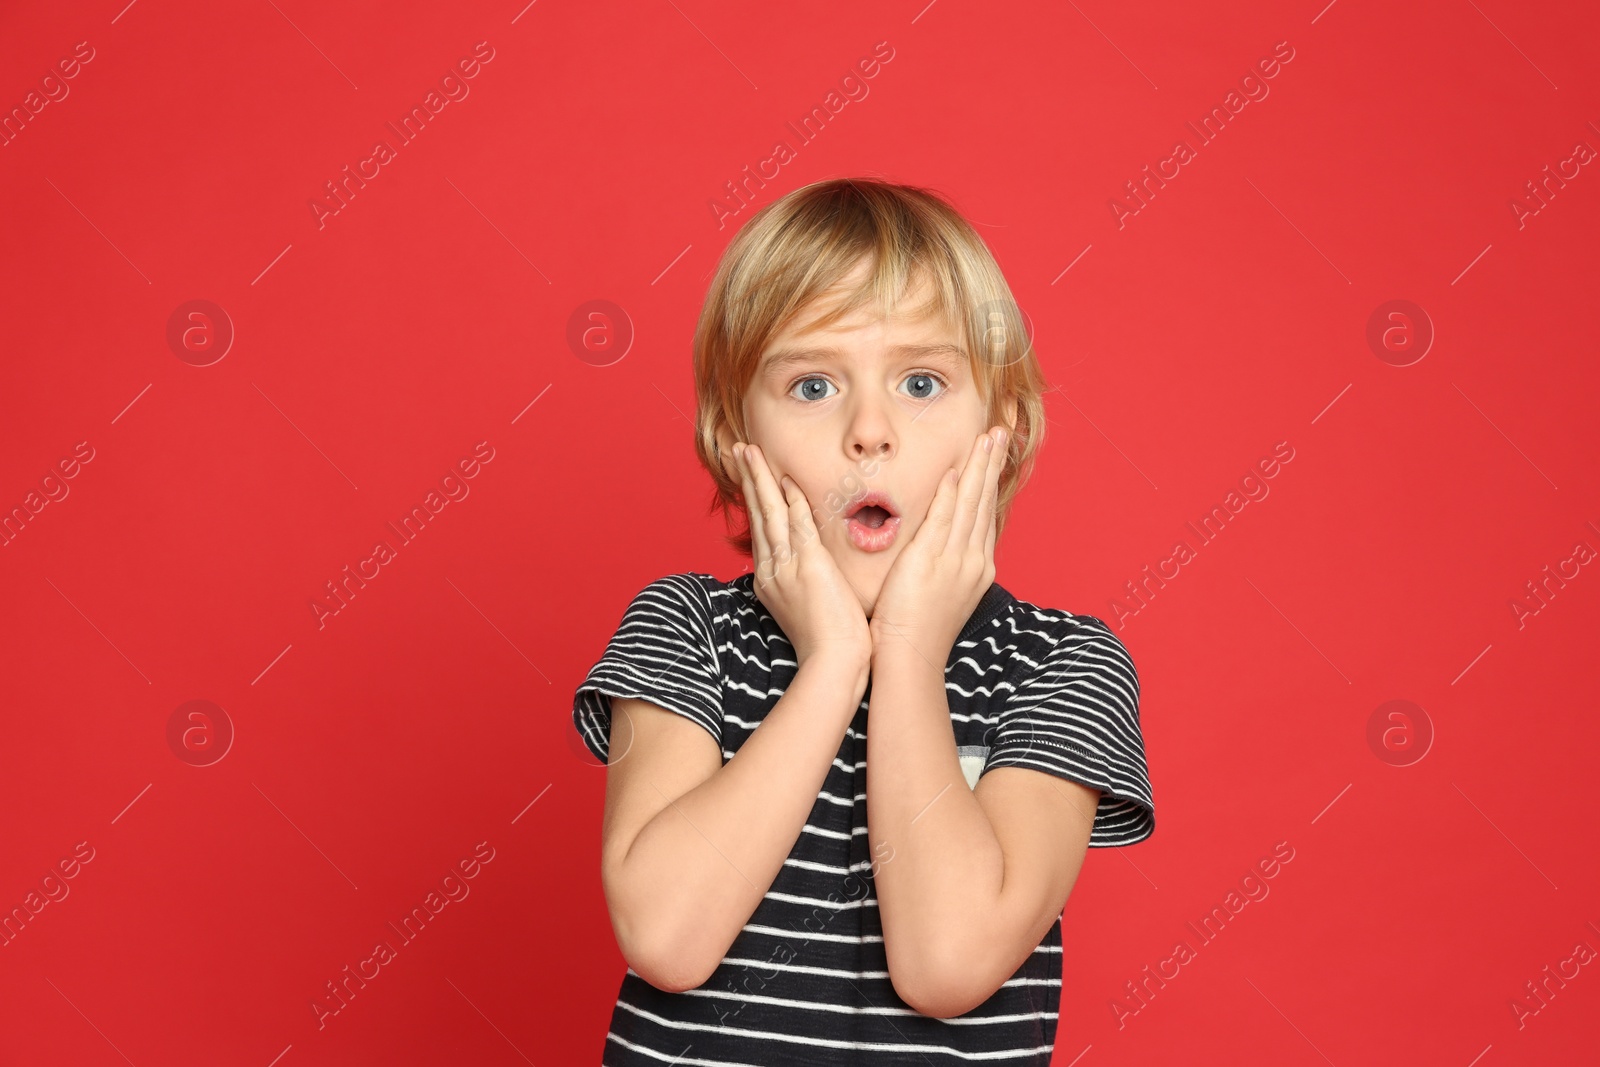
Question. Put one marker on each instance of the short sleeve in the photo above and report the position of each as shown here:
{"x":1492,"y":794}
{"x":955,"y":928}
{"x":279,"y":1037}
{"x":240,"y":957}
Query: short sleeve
{"x":1076,"y":716}
{"x":664,"y":651}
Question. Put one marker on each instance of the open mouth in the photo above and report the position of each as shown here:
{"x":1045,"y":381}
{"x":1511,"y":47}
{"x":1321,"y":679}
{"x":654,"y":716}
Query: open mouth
{"x":872,"y":522}
{"x":871,"y":515}
{"x":873,"y":510}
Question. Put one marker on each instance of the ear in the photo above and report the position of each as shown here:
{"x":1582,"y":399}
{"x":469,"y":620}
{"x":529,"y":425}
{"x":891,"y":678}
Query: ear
{"x":725,"y":439}
{"x":1010,"y":407}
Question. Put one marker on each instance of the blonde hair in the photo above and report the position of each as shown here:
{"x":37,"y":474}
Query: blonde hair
{"x":801,"y":246}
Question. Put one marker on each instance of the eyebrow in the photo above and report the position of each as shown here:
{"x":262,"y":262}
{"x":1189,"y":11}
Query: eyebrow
{"x":784,"y":358}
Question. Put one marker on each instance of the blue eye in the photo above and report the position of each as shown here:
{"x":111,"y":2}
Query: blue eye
{"x":925,"y":381}
{"x":814,"y":389}
{"x":809,"y":393}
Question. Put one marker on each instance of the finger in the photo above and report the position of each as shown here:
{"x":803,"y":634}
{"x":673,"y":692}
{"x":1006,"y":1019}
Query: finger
{"x":970,"y":492}
{"x":983,"y":528}
{"x":802,"y":531}
{"x":775,"y":514}
{"x":761,"y":552}
{"x":935,"y":529}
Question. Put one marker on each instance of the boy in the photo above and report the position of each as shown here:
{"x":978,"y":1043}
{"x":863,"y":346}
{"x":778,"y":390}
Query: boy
{"x":787,"y":886}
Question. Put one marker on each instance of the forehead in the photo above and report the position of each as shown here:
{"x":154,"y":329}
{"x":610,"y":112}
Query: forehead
{"x":914,"y":329}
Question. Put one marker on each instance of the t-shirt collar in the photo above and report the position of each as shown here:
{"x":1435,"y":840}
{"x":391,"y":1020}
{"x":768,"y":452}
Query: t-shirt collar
{"x":994,"y":600}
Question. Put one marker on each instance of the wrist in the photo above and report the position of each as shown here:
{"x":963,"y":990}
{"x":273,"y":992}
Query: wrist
{"x":838,"y":663}
{"x":894,"y":649}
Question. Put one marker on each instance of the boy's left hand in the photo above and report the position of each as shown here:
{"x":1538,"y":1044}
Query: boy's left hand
{"x":936,"y":582}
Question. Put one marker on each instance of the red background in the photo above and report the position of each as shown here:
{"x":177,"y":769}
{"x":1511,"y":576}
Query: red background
{"x":433,"y":711}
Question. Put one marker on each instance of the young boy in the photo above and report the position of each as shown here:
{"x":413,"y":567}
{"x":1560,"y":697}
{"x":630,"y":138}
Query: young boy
{"x":786,"y":885}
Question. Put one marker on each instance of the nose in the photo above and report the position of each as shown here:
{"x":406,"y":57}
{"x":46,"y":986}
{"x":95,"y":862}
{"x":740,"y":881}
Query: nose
{"x":871,"y":433}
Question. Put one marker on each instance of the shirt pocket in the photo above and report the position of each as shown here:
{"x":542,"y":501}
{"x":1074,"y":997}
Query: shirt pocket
{"x":972,"y":758}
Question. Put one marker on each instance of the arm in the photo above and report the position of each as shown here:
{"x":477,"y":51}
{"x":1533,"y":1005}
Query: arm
{"x":691,"y":845}
{"x":978,"y":875}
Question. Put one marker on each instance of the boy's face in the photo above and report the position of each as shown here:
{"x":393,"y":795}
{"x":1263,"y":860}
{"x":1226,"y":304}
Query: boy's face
{"x":867,"y":406}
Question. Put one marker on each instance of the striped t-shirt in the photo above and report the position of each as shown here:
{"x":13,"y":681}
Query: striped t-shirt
{"x":807,"y":980}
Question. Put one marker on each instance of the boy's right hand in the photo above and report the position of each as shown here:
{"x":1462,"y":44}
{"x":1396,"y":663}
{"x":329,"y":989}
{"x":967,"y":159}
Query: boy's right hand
{"x":797,"y":577}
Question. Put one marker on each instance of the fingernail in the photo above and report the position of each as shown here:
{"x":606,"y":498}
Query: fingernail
{"x":988,"y":443}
